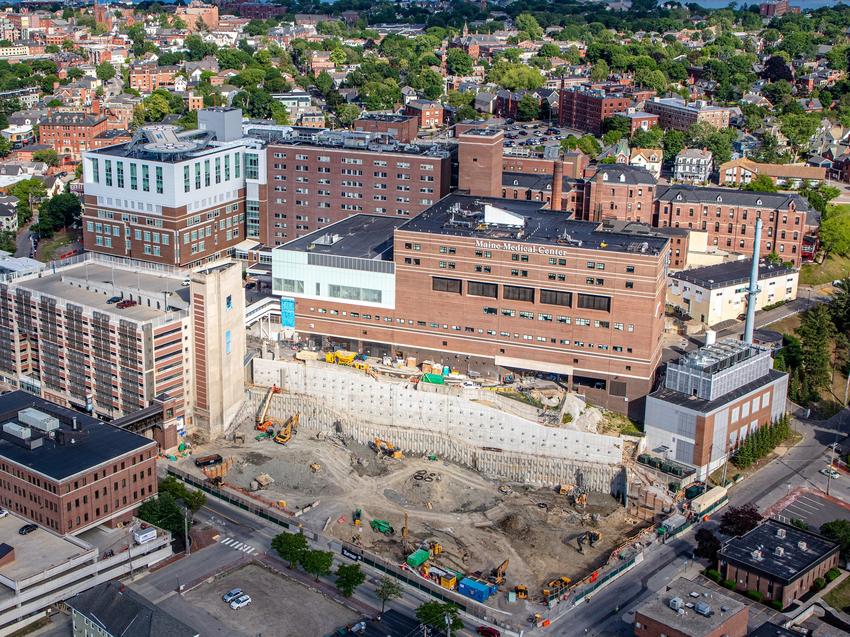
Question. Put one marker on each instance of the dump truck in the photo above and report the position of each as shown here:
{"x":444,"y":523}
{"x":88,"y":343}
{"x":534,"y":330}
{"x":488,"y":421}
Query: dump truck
{"x":382,"y":526}
{"x":287,"y":430}
{"x":263,"y":423}
{"x":209,"y":461}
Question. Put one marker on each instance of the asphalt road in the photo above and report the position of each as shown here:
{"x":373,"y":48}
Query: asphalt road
{"x":807,"y":297}
{"x":798,"y":468}
{"x":23,"y":243}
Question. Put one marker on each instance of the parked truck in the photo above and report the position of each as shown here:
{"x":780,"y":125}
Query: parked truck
{"x":708,"y":499}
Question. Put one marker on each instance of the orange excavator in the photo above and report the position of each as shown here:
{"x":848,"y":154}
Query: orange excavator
{"x":263,"y":423}
{"x":289,"y":427}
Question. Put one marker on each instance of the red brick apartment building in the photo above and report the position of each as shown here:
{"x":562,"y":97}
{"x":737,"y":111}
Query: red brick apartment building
{"x":492,"y":278}
{"x":319,"y":179}
{"x":729,"y":218}
{"x":779,"y":560}
{"x":71,"y":134}
{"x":429,"y":114}
{"x":585,"y":107}
{"x":67,"y":471}
{"x":146,"y":78}
{"x":404,"y":128}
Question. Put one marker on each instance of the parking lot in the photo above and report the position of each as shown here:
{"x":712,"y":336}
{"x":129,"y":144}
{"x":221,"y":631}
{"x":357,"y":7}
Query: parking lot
{"x":813,"y":509}
{"x":280,"y":607}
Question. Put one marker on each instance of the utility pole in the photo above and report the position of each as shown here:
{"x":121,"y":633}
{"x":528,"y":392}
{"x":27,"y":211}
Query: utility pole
{"x":831,"y":460}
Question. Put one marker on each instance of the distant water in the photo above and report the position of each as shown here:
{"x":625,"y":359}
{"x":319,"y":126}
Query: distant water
{"x":722,"y":4}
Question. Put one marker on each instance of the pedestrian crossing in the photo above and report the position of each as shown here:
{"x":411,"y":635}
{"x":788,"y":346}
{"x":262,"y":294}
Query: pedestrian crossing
{"x":238,"y":546}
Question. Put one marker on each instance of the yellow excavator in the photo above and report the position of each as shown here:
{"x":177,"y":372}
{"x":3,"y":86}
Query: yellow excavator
{"x":385,"y":448}
{"x":289,"y":427}
{"x":498,"y":573}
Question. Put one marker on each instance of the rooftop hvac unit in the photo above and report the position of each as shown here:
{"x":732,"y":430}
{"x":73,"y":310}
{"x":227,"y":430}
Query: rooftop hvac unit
{"x":779,"y":551}
{"x":677,"y":604}
{"x":703,"y":609}
{"x":756,"y":555}
{"x":802,"y":545}
{"x":780,"y":533}
{"x":38,"y":420}
{"x":16,"y":430}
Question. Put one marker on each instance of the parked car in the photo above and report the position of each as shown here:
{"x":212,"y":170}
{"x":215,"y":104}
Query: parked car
{"x":830,"y":473}
{"x":26,"y":529}
{"x":836,"y":448}
{"x":240,"y":602}
{"x":114,"y":299}
{"x":487,"y":631}
{"x":232,"y":594}
{"x":838,"y":283}
{"x":3,"y":512}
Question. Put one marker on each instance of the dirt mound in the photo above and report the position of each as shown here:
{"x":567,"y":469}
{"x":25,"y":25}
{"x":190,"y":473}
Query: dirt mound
{"x":256,"y":458}
{"x":514,"y":526}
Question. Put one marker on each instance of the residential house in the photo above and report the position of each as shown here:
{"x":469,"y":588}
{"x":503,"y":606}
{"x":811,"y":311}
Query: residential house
{"x":649,"y":158}
{"x":740,"y":172}
{"x":693,"y":166}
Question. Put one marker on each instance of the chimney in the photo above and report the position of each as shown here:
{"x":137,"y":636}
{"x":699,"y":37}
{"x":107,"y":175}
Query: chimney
{"x":557,"y":185}
{"x":752,"y":295}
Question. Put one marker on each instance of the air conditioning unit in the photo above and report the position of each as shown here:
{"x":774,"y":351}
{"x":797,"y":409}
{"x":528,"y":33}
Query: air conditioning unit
{"x":779,"y":551}
{"x":780,"y":533}
{"x":802,"y":545}
{"x":677,"y":604}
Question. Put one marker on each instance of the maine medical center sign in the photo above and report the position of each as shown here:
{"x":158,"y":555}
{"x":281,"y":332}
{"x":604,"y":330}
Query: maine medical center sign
{"x":520,"y":247}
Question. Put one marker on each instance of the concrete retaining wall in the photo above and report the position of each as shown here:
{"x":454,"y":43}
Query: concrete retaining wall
{"x":498,"y":445}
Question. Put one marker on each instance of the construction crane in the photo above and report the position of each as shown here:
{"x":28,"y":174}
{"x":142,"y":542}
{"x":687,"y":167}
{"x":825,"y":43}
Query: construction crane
{"x":263,"y":423}
{"x":289,"y":427}
{"x":498,"y":573}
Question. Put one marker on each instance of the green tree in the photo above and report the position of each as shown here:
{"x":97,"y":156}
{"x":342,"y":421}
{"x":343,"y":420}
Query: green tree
{"x":589,"y":145}
{"x":838,"y":530}
{"x":61,"y":211}
{"x":348,"y":578}
{"x":673,"y":144}
{"x":164,"y":512}
{"x":458,"y":62}
{"x":48,"y":156}
{"x":439,"y":616}
{"x":761,"y":183}
{"x":387,"y":590}
{"x":28,"y":193}
{"x":799,"y":128}
{"x":528,"y":108}
{"x":835,"y":233}
{"x":599,"y":72}
{"x":515,"y":76}
{"x":347,"y":114}
{"x":815,"y":332}
{"x":5,"y":147}
{"x":317,"y":563}
{"x":527,"y":24}
{"x":290,"y":546}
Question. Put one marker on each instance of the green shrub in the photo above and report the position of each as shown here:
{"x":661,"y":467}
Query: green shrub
{"x":729,"y":583}
{"x":831,"y":574}
{"x":755,"y":595}
{"x":819,"y":584}
{"x":712,"y":574}
{"x":567,"y":418}
{"x":776,"y":604}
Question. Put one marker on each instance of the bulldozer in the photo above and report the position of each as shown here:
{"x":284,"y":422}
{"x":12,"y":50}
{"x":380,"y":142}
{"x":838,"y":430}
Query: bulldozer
{"x":385,"y":448}
{"x":521,"y":591}
{"x":263,"y":423}
{"x":382,"y":526}
{"x":289,"y":428}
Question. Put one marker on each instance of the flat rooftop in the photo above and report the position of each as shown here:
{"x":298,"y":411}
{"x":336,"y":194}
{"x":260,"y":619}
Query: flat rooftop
{"x":341,"y":140}
{"x":94,"y":443}
{"x":359,"y":236}
{"x":66,"y":284}
{"x":36,"y":552}
{"x":718,"y":356}
{"x":385,"y":117}
{"x":704,"y":406}
{"x":730,"y":273}
{"x":756,"y":551}
{"x":523,"y":222}
{"x":716,"y":608}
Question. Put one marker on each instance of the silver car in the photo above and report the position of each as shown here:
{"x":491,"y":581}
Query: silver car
{"x":230,"y":595}
{"x":240,"y":602}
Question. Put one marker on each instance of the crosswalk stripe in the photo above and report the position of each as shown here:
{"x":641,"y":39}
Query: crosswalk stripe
{"x":247,"y":548}
{"x":238,"y":546}
{"x":227,"y":541}
{"x":250,"y":551}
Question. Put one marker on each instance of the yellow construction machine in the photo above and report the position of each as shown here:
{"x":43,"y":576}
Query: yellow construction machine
{"x":498,"y":574}
{"x":556,"y":586}
{"x":341,"y":357}
{"x":289,"y":427}
{"x":385,"y":448}
{"x":263,"y":423}
{"x":521,"y":591}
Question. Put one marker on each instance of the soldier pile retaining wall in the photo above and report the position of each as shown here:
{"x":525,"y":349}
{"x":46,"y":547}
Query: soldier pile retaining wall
{"x":497,"y":444}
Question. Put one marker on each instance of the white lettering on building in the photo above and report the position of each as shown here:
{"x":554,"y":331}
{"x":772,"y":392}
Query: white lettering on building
{"x":519,"y":247}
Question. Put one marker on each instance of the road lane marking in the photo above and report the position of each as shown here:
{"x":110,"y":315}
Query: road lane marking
{"x":228,"y":541}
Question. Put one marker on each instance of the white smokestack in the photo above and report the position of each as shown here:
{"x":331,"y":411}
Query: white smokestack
{"x":752,"y":295}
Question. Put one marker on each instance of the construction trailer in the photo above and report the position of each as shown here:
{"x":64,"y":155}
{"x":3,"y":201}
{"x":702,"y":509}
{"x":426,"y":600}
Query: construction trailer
{"x":476,"y":589}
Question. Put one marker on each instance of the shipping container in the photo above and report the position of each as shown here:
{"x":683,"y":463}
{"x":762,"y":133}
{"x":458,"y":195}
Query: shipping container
{"x":708,"y":499}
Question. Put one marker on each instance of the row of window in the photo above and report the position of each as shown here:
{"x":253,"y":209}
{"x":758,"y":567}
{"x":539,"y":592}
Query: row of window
{"x":520,"y":293}
{"x":117,"y":178}
{"x":207,"y":173}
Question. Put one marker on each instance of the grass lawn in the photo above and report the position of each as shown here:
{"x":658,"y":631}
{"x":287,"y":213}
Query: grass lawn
{"x":835,"y":267}
{"x":47,"y":248}
{"x":618,"y":423}
{"x":839,"y":597}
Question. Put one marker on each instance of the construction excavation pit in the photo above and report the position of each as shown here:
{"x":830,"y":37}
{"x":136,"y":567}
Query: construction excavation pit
{"x":441,"y":519}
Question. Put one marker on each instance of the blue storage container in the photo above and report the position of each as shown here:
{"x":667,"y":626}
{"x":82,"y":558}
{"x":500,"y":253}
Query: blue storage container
{"x":479,"y":591}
